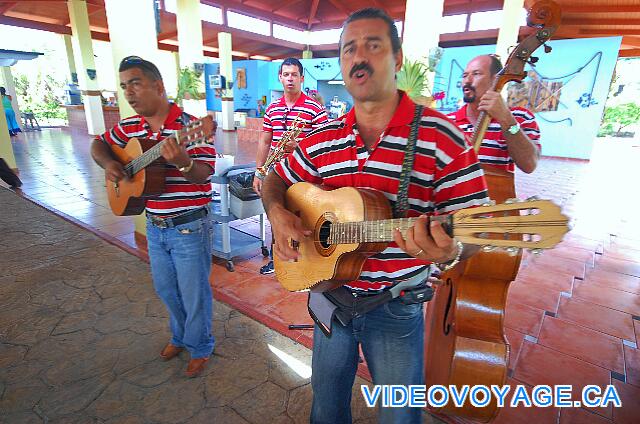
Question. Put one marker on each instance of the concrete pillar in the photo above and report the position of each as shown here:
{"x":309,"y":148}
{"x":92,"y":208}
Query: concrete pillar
{"x":421,"y":31}
{"x":307,"y":54}
{"x":6,"y":149}
{"x":226,"y":69}
{"x":83,"y":51}
{"x":10,"y":86}
{"x":508,"y":33}
{"x":132,"y":31}
{"x":190,"y":46}
{"x":70,"y":59}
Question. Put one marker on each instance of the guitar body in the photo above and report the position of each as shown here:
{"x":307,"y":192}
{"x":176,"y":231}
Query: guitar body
{"x":322,"y":268}
{"x":465,"y":342}
{"x":128,"y":197}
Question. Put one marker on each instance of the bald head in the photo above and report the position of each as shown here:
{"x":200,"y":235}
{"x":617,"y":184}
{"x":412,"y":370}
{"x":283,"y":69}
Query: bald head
{"x":478,"y":77}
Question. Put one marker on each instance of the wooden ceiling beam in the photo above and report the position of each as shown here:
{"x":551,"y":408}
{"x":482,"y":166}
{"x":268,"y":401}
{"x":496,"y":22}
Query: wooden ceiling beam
{"x":284,"y":4}
{"x":629,"y":53}
{"x":312,"y":14}
{"x":7,"y":6}
{"x":594,"y":8}
{"x":470,"y":7}
{"x":610,"y":31}
{"x":250,"y":35}
{"x":254,"y":12}
{"x":341,"y":7}
{"x":603,"y":21}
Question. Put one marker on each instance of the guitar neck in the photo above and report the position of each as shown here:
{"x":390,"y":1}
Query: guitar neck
{"x":378,"y":231}
{"x":146,"y":158}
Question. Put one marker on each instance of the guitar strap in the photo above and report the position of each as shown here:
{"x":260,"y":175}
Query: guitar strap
{"x":402,"y":199}
{"x":340,"y":303}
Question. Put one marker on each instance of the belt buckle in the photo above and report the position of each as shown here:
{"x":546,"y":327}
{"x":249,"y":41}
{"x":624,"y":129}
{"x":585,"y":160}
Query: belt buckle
{"x":158,"y":222}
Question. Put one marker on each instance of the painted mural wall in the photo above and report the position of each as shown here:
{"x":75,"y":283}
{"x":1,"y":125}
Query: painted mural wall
{"x":567,"y":90}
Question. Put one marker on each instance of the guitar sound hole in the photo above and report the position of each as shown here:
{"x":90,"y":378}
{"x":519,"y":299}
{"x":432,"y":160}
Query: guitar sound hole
{"x":323,"y":234}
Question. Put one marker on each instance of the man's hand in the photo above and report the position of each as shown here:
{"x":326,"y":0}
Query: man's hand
{"x":286,"y":227}
{"x":433,"y":245}
{"x":175,"y":154}
{"x":257,"y":185}
{"x":114,"y":171}
{"x":493,"y":103}
{"x":290,"y":146}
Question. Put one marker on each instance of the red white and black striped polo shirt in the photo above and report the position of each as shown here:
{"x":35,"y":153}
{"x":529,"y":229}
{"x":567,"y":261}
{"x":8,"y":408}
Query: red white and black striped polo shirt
{"x":180,"y":194}
{"x":278,"y":118}
{"x":493,"y":149}
{"x":446,"y":175}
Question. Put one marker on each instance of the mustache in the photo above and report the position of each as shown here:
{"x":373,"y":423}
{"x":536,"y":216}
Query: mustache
{"x":360,"y":67}
{"x":469,"y":86}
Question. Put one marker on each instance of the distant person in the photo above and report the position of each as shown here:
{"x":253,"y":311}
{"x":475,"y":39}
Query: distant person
{"x":14,"y":128}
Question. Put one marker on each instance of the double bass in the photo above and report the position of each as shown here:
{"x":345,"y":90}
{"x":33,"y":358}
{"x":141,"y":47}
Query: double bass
{"x":465,"y":342}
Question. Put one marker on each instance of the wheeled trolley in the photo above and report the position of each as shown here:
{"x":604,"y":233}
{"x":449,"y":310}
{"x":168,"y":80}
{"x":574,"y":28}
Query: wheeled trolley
{"x":228,"y":241}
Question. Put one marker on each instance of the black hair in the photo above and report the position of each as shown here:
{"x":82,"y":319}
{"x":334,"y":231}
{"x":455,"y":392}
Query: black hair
{"x":496,"y":65}
{"x":150,"y":70}
{"x":291,"y":61}
{"x":3,"y":91}
{"x":375,"y":13}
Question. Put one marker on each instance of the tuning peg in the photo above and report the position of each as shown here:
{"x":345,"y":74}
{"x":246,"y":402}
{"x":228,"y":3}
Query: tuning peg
{"x":547,"y":48}
{"x":491,"y":202}
{"x":536,"y":252}
{"x":532,"y":198}
{"x":512,"y":200}
{"x":512,"y":251}
{"x":488,"y":248}
{"x":533,"y":60}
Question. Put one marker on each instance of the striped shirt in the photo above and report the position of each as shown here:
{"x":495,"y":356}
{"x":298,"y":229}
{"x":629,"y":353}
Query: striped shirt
{"x":493,"y":149}
{"x":278,"y":117}
{"x":180,"y":195}
{"x":446,"y":176}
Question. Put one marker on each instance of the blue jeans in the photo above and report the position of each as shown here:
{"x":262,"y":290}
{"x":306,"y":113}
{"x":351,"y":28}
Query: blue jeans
{"x":180,"y":266}
{"x":392,"y":339}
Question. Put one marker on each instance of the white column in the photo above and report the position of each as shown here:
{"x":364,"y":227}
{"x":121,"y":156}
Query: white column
{"x":83,"y":51}
{"x":10,"y":86}
{"x":226,"y":69}
{"x":190,"y":46}
{"x":132,"y":31}
{"x":421,"y":31}
{"x":70,"y":59}
{"x":508,"y":33}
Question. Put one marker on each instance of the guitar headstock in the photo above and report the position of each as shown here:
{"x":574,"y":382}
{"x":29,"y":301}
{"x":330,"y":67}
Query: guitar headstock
{"x":531,"y":224}
{"x":198,"y":131}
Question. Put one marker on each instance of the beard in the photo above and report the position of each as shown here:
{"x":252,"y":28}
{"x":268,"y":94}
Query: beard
{"x":471,"y":96}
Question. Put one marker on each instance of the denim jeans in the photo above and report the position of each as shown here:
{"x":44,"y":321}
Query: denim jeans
{"x":180,"y":264}
{"x":392,"y":337}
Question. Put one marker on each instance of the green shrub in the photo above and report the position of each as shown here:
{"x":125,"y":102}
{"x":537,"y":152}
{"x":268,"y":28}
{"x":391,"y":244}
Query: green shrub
{"x":616,"y":118}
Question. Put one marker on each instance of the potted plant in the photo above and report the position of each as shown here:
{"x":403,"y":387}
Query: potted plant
{"x":190,"y":86}
{"x":413,"y":78}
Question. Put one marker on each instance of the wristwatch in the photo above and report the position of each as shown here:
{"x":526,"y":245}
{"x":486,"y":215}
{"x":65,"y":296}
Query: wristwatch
{"x":513,"y":129}
{"x":185,"y":169}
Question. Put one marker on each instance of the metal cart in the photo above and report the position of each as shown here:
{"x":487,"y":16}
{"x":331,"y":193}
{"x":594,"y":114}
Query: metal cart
{"x":224,"y":236}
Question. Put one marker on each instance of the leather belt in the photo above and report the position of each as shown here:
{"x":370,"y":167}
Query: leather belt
{"x":172,"y":221}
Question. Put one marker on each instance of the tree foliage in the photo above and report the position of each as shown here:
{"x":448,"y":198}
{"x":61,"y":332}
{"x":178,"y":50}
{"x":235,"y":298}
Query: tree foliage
{"x":190,"y":85}
{"x":616,"y":118}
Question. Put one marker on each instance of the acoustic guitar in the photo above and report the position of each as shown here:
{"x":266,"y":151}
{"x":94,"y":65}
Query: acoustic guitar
{"x":351,"y":224}
{"x":145,"y":168}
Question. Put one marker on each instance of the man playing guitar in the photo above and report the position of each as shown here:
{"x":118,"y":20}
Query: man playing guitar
{"x":178,"y":226}
{"x":365,"y":149}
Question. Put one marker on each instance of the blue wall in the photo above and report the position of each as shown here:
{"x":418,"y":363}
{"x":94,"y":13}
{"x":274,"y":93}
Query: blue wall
{"x":262,"y":77}
{"x":585,"y":68}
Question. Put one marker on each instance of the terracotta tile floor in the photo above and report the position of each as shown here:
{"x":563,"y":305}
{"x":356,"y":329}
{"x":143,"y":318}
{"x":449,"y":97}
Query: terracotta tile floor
{"x":573,"y":315}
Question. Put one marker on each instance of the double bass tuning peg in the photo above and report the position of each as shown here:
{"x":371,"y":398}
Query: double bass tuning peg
{"x":533,"y":60}
{"x":547,"y":48}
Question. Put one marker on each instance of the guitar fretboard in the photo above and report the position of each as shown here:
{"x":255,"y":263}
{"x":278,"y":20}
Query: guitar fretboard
{"x":373,"y":231}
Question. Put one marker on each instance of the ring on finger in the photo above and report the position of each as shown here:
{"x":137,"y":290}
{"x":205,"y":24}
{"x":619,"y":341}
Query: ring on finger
{"x":417,"y":253}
